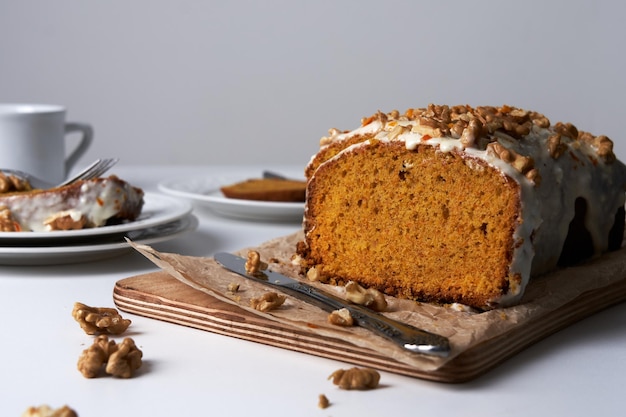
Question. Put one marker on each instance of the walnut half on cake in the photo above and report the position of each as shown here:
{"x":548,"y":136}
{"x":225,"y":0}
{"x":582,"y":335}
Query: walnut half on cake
{"x":459,"y":204}
{"x":80,"y":205}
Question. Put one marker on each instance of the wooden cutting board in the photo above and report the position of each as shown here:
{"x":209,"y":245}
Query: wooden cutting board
{"x":160,"y":296}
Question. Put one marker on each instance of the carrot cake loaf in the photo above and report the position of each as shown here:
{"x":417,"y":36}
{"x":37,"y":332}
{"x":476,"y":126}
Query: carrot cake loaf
{"x":459,"y":204}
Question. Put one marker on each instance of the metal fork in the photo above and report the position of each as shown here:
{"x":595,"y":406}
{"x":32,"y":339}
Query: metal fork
{"x":96,"y":169}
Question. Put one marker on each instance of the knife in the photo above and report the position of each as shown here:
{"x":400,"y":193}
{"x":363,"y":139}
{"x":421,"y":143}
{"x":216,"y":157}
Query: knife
{"x":406,"y":336}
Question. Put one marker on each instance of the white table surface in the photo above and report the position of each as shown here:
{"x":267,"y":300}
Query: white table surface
{"x":579,"y":371}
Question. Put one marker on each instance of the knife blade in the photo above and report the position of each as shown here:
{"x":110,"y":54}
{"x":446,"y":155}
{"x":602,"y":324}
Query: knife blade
{"x":406,"y":336}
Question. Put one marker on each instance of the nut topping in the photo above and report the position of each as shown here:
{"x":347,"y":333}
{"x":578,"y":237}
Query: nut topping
{"x":555,"y":147}
{"x":483,"y":122}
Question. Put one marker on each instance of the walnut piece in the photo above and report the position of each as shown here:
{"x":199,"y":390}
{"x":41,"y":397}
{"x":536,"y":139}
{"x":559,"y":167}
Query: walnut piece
{"x":322,"y":401}
{"x":7,"y":222}
{"x":268,"y":301}
{"x":97,"y":320}
{"x":65,"y":221}
{"x":471,"y":133}
{"x":254,"y":265}
{"x":566,"y":129}
{"x":523,"y":164}
{"x":555,"y":146}
{"x":121,"y":360}
{"x":341,"y":317}
{"x":314,"y":275}
{"x":356,"y":378}
{"x":124,"y":361}
{"x":11,"y":183}
{"x":233,"y":287}
{"x":47,"y":411}
{"x":370,"y":298}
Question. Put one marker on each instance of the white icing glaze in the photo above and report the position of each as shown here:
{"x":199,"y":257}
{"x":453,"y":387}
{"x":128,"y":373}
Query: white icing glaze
{"x":547,"y":208}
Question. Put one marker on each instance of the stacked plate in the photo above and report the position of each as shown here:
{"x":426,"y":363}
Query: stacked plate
{"x":162,"y":218}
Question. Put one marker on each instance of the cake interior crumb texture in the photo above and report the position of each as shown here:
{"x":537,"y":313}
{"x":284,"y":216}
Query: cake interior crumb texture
{"x":458,"y":219}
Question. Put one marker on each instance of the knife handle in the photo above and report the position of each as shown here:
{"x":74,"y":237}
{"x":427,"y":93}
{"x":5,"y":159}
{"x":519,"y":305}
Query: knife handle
{"x":404,"y":335}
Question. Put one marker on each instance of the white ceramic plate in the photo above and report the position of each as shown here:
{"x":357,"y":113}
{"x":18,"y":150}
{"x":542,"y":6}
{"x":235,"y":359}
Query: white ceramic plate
{"x":206,"y":192}
{"x":158,"y":209}
{"x":71,"y":254}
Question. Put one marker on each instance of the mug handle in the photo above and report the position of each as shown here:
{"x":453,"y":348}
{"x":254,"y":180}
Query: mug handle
{"x":84,"y":144}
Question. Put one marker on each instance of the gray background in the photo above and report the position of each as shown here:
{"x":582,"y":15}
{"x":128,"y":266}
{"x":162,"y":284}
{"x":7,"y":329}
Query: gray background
{"x":208,"y":82}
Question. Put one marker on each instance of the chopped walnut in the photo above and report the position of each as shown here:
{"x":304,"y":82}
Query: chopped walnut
{"x":500,"y":151}
{"x":47,"y":411}
{"x":268,"y":301}
{"x":555,"y":146}
{"x":332,"y":133}
{"x":66,"y":221}
{"x":539,"y":120}
{"x":371,"y":297}
{"x":523,"y":164}
{"x":125,"y":360}
{"x":322,"y":401}
{"x":427,"y":130}
{"x":11,"y":183}
{"x":7,"y":222}
{"x":341,"y":317}
{"x":313,"y":274}
{"x":533,"y":175}
{"x":397,"y":131}
{"x":356,"y":378}
{"x":96,"y":320}
{"x":602,"y":145}
{"x":233,"y":287}
{"x":604,"y":148}
{"x":566,"y":129}
{"x":254,"y":265}
{"x":471,"y":133}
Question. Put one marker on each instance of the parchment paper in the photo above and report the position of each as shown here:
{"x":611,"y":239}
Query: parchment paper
{"x":465,"y":328}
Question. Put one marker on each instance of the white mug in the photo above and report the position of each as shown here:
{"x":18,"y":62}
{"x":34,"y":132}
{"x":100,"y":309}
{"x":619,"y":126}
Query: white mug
{"x":33,"y":139}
